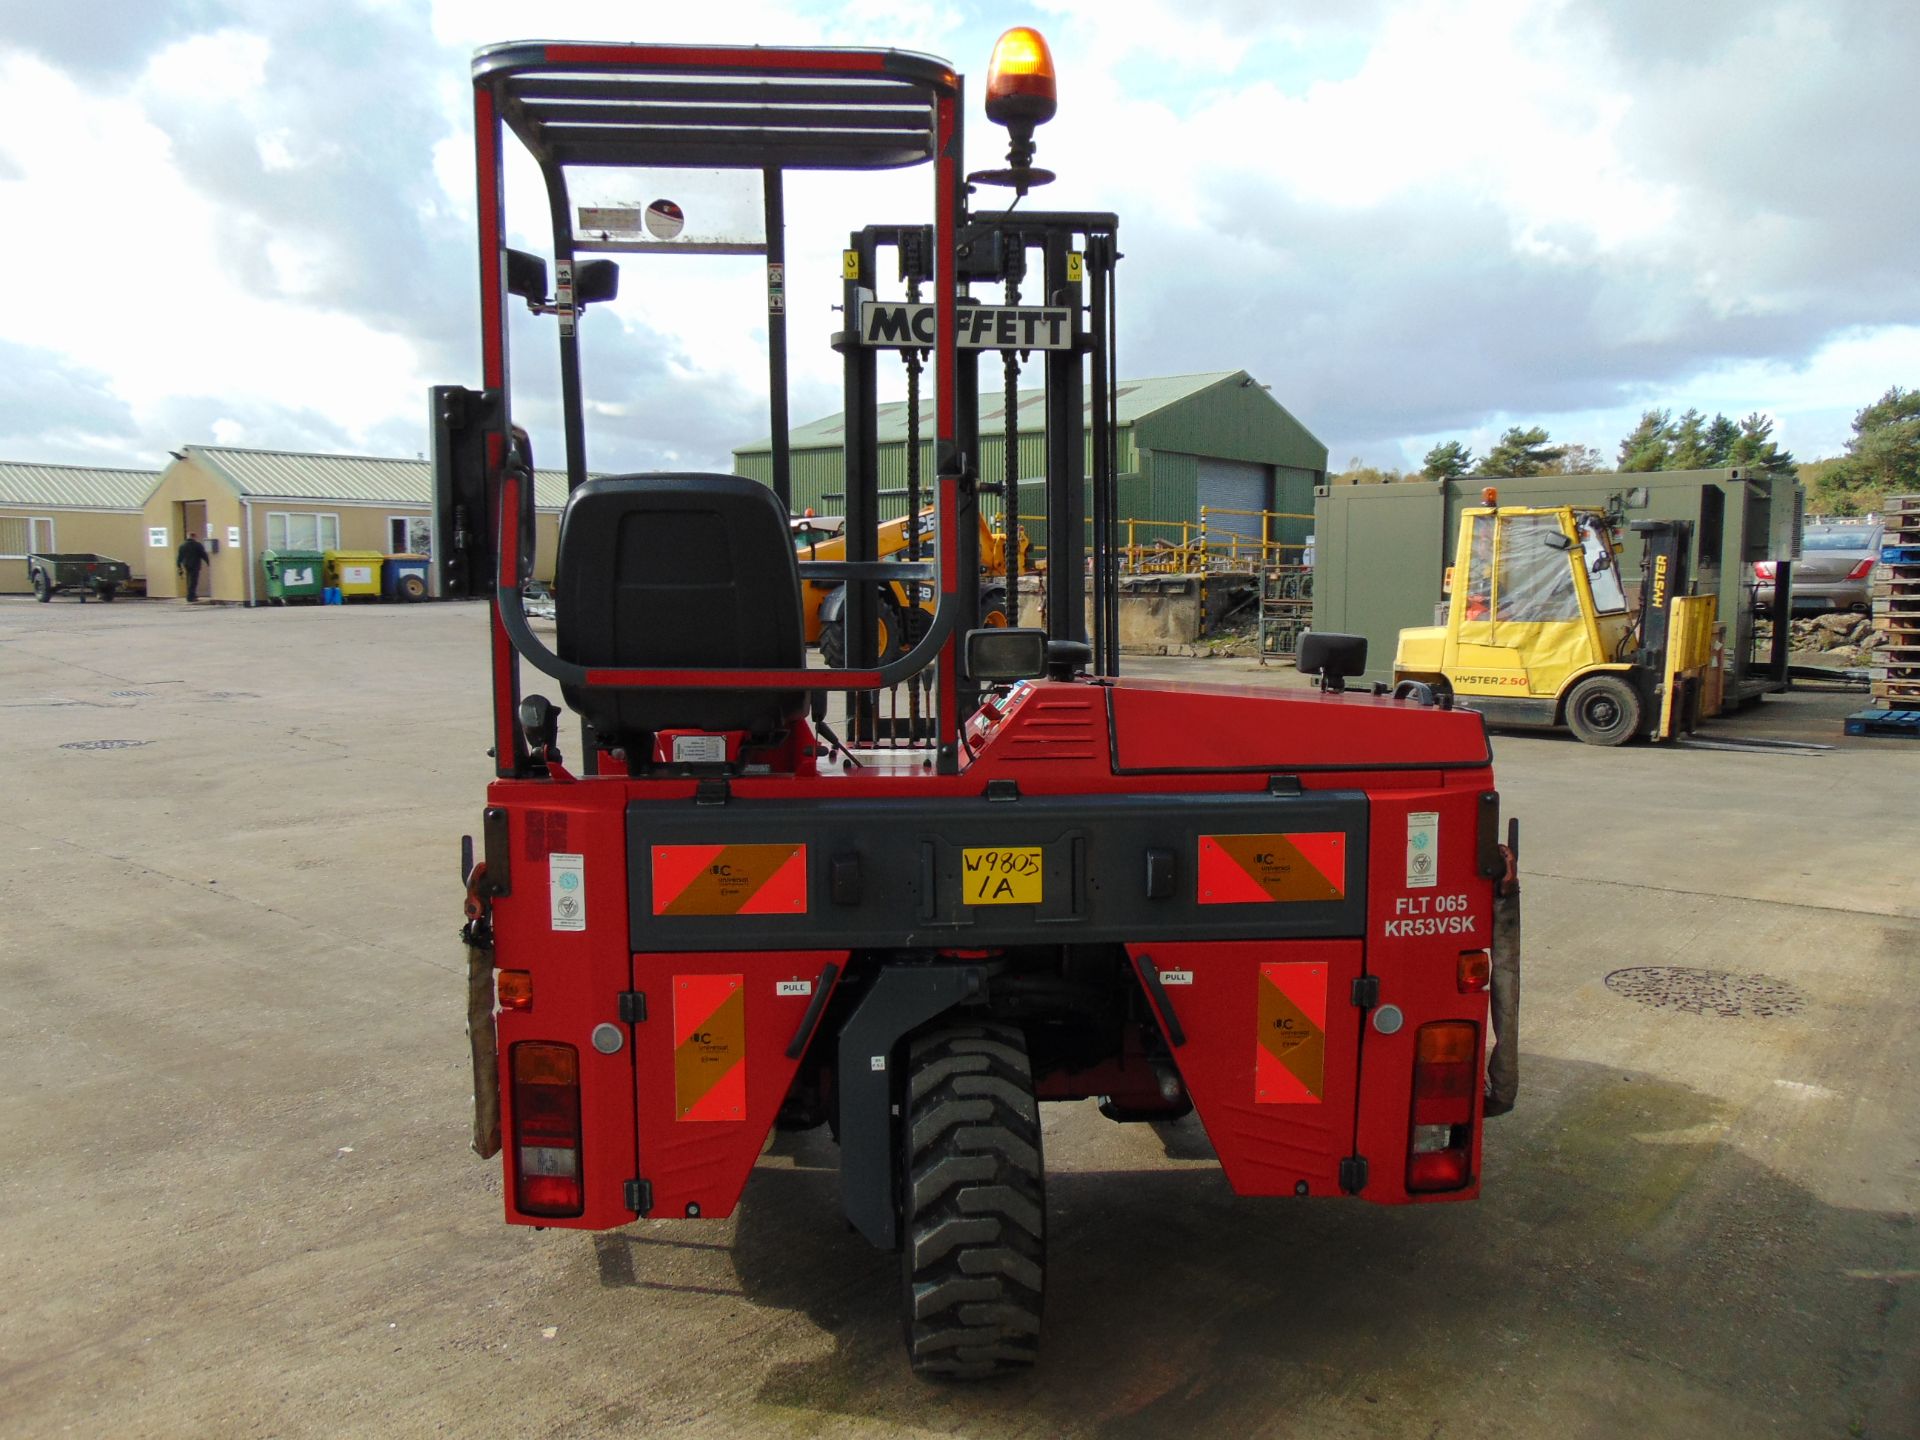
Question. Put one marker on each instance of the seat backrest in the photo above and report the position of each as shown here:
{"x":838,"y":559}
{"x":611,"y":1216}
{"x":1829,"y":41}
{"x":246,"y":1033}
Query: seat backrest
{"x":679,"y":572}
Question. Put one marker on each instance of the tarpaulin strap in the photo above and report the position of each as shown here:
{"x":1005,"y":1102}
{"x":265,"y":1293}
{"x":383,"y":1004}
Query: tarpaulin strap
{"x":486,"y":1057}
{"x":1503,"y":1059}
{"x":477,"y":936}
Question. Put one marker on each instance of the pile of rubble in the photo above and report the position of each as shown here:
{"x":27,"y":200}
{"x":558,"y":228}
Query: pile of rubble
{"x":1838,"y":639}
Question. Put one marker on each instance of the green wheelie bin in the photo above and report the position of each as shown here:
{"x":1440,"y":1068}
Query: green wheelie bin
{"x":293,"y":575}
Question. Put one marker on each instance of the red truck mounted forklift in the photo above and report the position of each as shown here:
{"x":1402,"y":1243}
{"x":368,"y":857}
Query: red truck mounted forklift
{"x":1043,"y":882}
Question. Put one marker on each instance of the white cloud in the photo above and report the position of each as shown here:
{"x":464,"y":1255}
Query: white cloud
{"x":1411,"y":217}
{"x":137,"y":287}
{"x":212,"y":69}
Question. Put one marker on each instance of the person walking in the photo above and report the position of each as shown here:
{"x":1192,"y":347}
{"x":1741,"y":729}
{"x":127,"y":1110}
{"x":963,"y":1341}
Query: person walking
{"x":188,"y":561}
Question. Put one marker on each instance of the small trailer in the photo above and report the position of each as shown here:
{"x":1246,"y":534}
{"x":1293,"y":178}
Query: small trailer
{"x":78,"y":571}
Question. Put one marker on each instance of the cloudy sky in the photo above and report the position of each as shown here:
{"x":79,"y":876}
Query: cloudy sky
{"x":250,"y":222}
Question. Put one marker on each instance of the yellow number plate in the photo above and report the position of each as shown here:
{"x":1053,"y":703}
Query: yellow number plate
{"x":1001,"y":876}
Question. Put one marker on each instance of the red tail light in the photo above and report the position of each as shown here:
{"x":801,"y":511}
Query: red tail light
{"x":1763,"y":570}
{"x":1862,"y":570}
{"x":546,"y":1130}
{"x":1475,"y":971}
{"x":1445,"y":1080}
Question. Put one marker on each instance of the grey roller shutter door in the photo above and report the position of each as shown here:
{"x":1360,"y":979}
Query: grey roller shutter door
{"x":1234,"y":485}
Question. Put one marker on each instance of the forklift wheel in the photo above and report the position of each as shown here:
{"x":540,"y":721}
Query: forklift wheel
{"x":974,"y":1203}
{"x":833,"y":638}
{"x":1604,"y":710}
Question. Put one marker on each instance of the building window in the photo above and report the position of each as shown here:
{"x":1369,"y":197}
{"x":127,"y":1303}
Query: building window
{"x":409,"y":535}
{"x":291,"y":530}
{"x":21,"y":536}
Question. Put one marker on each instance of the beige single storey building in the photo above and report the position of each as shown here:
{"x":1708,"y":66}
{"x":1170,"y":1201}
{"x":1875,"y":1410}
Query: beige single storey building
{"x":241,"y":502}
{"x":70,"y":508}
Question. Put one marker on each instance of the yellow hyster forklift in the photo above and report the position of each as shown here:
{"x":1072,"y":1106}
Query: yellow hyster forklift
{"x":1539,"y":630}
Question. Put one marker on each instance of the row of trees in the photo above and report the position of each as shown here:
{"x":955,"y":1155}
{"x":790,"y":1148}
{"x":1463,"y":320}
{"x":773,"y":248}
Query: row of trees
{"x":1658,"y":442}
{"x":1882,"y":458}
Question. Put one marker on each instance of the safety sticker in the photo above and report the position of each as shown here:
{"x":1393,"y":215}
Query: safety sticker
{"x":1261,"y":869}
{"x":1423,"y":849}
{"x":709,"y":1047}
{"x":610,"y":219}
{"x":1002,"y":875}
{"x":730,"y":880}
{"x":567,"y":891}
{"x":699,"y":749}
{"x":1290,"y":1060}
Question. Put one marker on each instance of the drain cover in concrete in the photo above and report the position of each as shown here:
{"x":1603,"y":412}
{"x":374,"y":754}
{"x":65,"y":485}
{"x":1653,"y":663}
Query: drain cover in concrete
{"x":104,"y":744}
{"x":1708,"y":992}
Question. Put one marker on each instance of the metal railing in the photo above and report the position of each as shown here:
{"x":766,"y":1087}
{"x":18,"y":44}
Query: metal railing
{"x":1161,"y":547}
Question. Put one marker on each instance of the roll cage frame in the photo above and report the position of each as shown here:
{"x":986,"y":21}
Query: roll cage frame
{"x":772,"y":109}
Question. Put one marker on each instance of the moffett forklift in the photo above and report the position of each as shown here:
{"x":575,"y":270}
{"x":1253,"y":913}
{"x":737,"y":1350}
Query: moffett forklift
{"x":1539,"y":631}
{"x":1274,"y":908}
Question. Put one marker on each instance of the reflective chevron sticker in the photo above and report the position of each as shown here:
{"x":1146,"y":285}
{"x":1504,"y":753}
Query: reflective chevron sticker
{"x":709,"y":1047}
{"x":1290,"y":1061}
{"x":729,"y":880}
{"x":1263,"y":869}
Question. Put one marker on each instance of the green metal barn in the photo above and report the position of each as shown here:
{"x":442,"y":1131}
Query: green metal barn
{"x":1218,"y":440}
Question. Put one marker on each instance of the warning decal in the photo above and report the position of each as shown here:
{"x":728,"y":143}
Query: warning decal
{"x":730,"y":879}
{"x":1260,"y":869}
{"x":1290,"y":1060}
{"x":709,"y":1047}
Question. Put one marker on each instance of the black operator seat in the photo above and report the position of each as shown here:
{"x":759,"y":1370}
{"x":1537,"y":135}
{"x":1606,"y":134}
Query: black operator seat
{"x":673,"y":572}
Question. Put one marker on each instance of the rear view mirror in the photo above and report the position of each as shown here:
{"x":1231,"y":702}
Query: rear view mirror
{"x":595,"y":281}
{"x":1006,"y":653}
{"x":1556,"y":541}
{"x":526,"y":276}
{"x":1335,"y":658}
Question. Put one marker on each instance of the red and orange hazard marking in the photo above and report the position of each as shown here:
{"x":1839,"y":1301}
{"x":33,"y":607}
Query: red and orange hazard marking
{"x":1262,"y":869}
{"x":1290,"y":1060}
{"x":730,"y":879}
{"x":709,"y":1047}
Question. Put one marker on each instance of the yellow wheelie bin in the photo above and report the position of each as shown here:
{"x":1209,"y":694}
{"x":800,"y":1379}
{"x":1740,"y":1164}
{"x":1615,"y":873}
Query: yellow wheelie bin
{"x":355,"y":572}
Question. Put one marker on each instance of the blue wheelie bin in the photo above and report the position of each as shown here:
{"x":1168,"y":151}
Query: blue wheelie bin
{"x":404,"y":577}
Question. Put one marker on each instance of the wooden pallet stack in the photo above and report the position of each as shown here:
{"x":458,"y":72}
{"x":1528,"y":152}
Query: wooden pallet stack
{"x":1896,"y":614}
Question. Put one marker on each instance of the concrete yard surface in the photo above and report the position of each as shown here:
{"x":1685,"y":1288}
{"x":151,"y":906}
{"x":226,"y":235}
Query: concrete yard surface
{"x":238,"y":1199}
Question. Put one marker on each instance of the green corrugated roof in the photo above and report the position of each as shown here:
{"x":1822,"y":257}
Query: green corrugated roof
{"x":1135,"y":400}
{"x":74,"y":487}
{"x":352,"y":479}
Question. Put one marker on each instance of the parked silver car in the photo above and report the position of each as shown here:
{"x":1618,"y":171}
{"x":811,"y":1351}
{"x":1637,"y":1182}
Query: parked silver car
{"x":1832,"y":572}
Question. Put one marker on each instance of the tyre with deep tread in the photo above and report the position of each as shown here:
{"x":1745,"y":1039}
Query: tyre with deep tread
{"x":1604,"y":710}
{"x":973,"y":1203}
{"x":994,"y":611}
{"x":833,"y":637}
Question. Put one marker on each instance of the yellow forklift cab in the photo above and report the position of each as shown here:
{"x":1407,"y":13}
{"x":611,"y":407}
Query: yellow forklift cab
{"x":1539,"y":631}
